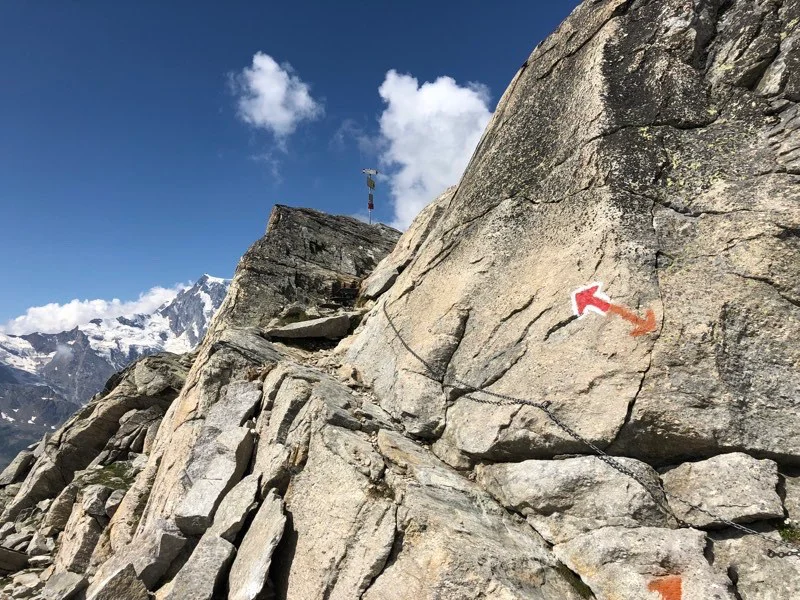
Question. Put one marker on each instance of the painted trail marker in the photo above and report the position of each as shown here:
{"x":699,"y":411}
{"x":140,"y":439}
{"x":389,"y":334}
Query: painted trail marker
{"x":670,"y":588}
{"x":590,"y":298}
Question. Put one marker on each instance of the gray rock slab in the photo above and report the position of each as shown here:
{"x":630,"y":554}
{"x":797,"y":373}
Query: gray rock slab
{"x":470,"y":546}
{"x":64,"y":586}
{"x":759,"y":575}
{"x":78,"y":541}
{"x":40,"y":561}
{"x":11,"y":561}
{"x":248,"y":575}
{"x":39,"y":545}
{"x":18,"y":468}
{"x":565,"y":498}
{"x":734,"y":486}
{"x":17,"y":539}
{"x":236,"y":406}
{"x":633,"y":563}
{"x":123,"y":584}
{"x":113,"y":502}
{"x":334,"y":327}
{"x":380,"y":280}
{"x":200,"y":577}
{"x":233,"y":450}
{"x":93,"y":499}
{"x":235,"y":508}
{"x":60,"y":510}
{"x":341,"y":554}
{"x":152,"y":561}
{"x":6,"y":529}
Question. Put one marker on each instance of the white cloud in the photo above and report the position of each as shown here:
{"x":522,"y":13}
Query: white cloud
{"x":53,"y":317}
{"x":428,"y":134}
{"x":273,"y":97}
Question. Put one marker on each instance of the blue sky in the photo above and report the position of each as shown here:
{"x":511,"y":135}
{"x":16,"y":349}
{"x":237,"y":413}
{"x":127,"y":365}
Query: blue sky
{"x":130,"y":156}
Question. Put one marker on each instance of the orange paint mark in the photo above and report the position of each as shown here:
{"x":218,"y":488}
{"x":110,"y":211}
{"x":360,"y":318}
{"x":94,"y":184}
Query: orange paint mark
{"x":590,"y":299}
{"x":642,"y":326}
{"x":670,"y":588}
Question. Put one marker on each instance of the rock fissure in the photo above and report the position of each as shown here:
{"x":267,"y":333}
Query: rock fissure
{"x":560,"y":325}
{"x":771,"y":284}
{"x":643,"y":146}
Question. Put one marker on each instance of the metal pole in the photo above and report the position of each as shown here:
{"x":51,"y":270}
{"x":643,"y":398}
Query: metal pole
{"x":370,"y":187}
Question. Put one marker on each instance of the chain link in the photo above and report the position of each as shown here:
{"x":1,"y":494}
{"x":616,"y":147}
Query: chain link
{"x":659,"y":496}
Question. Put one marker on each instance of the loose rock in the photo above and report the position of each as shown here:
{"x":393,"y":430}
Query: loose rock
{"x":735,"y":486}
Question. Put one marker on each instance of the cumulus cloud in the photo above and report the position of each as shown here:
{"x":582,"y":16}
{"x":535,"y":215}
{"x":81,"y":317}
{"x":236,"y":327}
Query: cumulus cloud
{"x":272,"y":97}
{"x":428,"y":134}
{"x":53,"y":317}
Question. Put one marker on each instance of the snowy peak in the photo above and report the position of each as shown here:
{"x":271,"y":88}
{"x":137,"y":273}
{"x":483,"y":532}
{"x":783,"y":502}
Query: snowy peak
{"x":77,"y":363}
{"x":192,"y":309}
{"x":45,"y":377}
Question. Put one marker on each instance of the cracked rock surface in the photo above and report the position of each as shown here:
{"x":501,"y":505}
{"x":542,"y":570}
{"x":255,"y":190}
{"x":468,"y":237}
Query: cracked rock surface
{"x":651,"y":146}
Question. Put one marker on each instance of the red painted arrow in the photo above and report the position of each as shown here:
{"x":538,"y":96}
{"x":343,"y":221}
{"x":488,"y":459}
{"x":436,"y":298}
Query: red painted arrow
{"x":590,"y":298}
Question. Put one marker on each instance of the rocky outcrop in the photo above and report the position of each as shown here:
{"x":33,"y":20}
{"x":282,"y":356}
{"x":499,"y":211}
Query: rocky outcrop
{"x":734,"y":487}
{"x":565,"y":498}
{"x":306,"y":257}
{"x":480,"y":433}
{"x":151,"y":382}
{"x":624,"y":152}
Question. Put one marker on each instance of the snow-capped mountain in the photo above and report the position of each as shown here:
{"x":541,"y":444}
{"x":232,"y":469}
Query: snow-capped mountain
{"x":45,"y":377}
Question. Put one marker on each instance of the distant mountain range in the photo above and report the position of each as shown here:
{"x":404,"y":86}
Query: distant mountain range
{"x":45,"y":377}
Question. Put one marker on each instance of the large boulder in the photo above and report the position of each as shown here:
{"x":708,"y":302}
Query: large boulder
{"x":307,"y":257}
{"x":248,"y":575}
{"x":17,"y":468}
{"x":734,"y":487}
{"x":235,"y":508}
{"x":565,"y":498}
{"x":634,"y":150}
{"x":635,"y":564}
{"x":200,"y":577}
{"x":333,"y":327}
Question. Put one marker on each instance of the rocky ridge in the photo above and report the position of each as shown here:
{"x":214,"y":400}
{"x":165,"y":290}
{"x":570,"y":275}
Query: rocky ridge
{"x":470,"y":436}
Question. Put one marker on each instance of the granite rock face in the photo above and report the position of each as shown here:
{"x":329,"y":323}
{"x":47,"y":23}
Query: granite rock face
{"x":629,"y":150}
{"x":649,"y":146}
{"x":565,"y":498}
{"x":306,"y":257}
{"x":736,"y":487}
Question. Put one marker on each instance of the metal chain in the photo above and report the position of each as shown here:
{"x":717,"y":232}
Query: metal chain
{"x":506,"y":400}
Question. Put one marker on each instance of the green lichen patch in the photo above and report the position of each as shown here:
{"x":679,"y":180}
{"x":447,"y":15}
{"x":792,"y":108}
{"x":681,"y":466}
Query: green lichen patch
{"x":790,"y":534}
{"x":118,"y":476}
